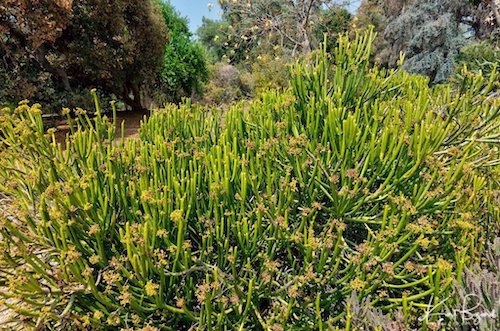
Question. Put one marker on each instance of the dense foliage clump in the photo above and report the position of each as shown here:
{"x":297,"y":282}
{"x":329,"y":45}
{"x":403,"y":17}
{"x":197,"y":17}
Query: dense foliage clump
{"x":355,"y":185}
{"x":431,"y":33}
{"x":261,"y":39}
{"x":53,"y":51}
{"x":483,"y":57}
{"x":184,"y":67}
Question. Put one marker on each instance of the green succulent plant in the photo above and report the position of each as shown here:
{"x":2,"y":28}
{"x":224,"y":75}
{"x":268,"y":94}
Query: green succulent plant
{"x":266,"y":217}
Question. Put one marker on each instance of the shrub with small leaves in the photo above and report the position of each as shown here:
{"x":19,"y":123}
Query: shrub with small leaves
{"x":228,"y":84}
{"x":267,"y":217}
{"x":482,"y":57}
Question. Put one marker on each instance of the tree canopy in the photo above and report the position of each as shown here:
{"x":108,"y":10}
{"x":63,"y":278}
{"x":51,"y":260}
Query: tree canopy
{"x":431,"y":33}
{"x":184,"y":67}
{"x":52,"y":49}
{"x":250,"y":28}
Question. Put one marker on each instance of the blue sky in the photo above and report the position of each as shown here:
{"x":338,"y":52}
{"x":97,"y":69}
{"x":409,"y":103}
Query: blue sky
{"x":194,"y":10}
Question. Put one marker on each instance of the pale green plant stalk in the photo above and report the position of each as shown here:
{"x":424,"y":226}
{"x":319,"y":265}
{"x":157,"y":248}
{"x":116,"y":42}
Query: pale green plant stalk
{"x":270,"y":216}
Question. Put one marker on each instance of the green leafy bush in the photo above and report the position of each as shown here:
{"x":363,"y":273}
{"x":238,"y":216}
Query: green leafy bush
{"x":354,"y":182}
{"x":271,"y":72}
{"x":184,"y":67}
{"x":480,"y":57}
{"x":228,"y":84}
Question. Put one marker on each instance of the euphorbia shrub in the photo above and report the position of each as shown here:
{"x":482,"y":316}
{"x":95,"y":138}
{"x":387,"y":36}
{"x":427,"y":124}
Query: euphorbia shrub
{"x":268,"y":217}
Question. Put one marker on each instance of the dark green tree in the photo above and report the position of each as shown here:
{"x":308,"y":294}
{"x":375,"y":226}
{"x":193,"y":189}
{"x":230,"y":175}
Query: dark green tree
{"x":214,"y":35}
{"x":27,"y":36}
{"x":53,"y":51}
{"x":184,"y":67}
{"x":430,"y":32}
{"x":333,"y":21}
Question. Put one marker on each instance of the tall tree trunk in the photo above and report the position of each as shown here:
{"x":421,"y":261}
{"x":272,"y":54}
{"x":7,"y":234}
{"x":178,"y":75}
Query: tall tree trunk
{"x":64,"y":77}
{"x":127,"y":99}
{"x":495,"y":6}
{"x":136,"y":92}
{"x":135,"y":103}
{"x":306,"y":44}
{"x":40,"y":57}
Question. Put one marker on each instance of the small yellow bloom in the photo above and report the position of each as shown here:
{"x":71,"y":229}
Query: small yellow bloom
{"x":180,"y":303}
{"x":125,"y":296}
{"x":93,"y":229}
{"x":85,"y":320}
{"x":444,"y":265}
{"x":357,"y":284}
{"x":162,"y":233}
{"x":94,"y":259}
{"x":151,"y":288}
{"x":423,"y":242}
{"x":98,"y":315}
{"x":176,"y":215}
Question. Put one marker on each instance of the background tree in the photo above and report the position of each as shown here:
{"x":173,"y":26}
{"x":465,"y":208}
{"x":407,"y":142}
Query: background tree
{"x":255,"y":42}
{"x":249,"y":27}
{"x":184,"y":65}
{"x":55,"y":50}
{"x":483,"y":17}
{"x":28,"y":31}
{"x":209,"y":34}
{"x":431,"y":33}
{"x":333,"y":21}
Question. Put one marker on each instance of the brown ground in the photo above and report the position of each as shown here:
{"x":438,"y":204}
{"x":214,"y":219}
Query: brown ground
{"x":132,"y":123}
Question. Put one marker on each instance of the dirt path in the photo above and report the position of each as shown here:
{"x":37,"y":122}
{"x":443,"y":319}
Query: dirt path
{"x":132,"y":124}
{"x":5,"y":318}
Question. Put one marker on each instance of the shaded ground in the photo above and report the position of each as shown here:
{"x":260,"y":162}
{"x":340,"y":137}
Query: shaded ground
{"x":132,"y":123}
{"x":5,"y":317}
